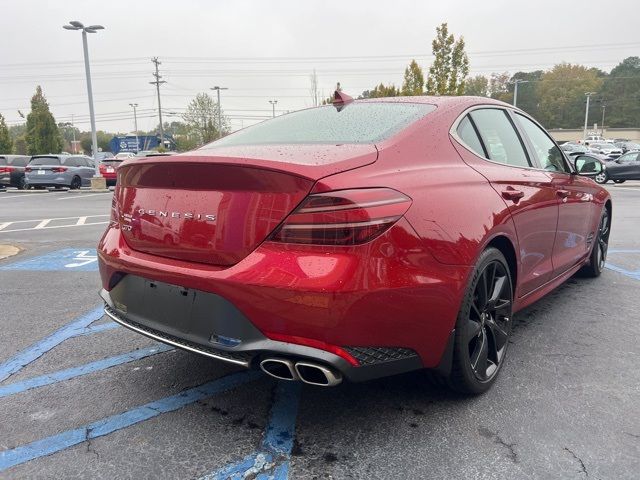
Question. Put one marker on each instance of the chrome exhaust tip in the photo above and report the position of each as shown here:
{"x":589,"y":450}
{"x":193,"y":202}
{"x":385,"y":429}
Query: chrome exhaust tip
{"x":279,"y":368}
{"x":318,"y":375}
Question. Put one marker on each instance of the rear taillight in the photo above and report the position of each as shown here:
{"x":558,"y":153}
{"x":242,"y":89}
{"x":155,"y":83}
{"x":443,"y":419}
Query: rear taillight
{"x":59,"y":169}
{"x":6,"y":169}
{"x":28,"y":169}
{"x":343,"y":217}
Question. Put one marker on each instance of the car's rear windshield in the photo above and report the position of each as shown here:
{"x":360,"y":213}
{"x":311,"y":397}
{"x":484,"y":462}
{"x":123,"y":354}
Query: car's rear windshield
{"x":354,"y":123}
{"x":45,"y":161}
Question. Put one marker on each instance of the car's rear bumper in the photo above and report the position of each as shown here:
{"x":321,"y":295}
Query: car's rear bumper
{"x":389,"y":296}
{"x":48,"y":181}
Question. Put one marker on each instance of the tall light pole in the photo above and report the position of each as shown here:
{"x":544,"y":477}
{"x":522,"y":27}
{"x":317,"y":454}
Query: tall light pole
{"x":515,"y":90}
{"x":75,"y":25}
{"x":273,"y":107}
{"x":217,"y":88}
{"x":135,"y":124}
{"x":604,"y":107}
{"x":586,"y":115}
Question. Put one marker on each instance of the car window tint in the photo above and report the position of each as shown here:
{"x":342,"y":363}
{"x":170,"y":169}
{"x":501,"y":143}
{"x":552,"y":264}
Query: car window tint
{"x":20,"y":162}
{"x":546,"y":151}
{"x":629,"y":157}
{"x":353,"y":123}
{"x":499,"y":137}
{"x":468,"y":135}
{"x":71,"y":162}
{"x":45,"y":161}
{"x":3,"y":161}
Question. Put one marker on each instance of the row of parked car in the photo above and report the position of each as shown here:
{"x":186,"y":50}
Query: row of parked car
{"x":59,"y":170}
{"x":620,"y":160}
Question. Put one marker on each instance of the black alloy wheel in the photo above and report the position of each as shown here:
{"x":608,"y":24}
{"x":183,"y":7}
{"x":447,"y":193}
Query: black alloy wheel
{"x":598,"y":256}
{"x":75,"y":183}
{"x":484,"y":325}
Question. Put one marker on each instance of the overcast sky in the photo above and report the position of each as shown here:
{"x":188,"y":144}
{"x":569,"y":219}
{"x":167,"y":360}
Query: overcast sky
{"x":262,"y":49}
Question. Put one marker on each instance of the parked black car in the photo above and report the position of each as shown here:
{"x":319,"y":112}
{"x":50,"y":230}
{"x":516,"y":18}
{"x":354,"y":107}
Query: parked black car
{"x":626,"y":167}
{"x":12,"y":170}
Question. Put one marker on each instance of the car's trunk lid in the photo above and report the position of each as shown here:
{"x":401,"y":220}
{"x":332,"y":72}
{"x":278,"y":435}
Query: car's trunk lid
{"x":217,"y":206}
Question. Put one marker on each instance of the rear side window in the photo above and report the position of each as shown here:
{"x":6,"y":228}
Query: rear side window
{"x":629,"y":157}
{"x":45,"y":161}
{"x":547,"y":152}
{"x":354,"y":123}
{"x":500,"y":137}
{"x":3,"y":161}
{"x":72,"y":162}
{"x":468,"y":135}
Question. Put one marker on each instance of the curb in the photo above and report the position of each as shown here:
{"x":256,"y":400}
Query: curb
{"x":7,"y":251}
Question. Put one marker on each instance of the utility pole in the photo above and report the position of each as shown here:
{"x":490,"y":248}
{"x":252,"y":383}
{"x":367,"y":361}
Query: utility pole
{"x":157,"y":83}
{"x":135,"y":124}
{"x":217,"y":88}
{"x":586,"y":115}
{"x":604,"y":107}
{"x":73,"y":132}
{"x":515,"y":90}
{"x":273,"y":107}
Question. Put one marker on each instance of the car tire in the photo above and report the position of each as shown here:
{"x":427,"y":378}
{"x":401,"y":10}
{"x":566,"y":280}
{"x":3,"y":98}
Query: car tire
{"x":22,"y":183}
{"x":601,"y":178}
{"x":598,"y":255}
{"x":619,"y":181}
{"x":483,"y":325}
{"x":76,"y":183}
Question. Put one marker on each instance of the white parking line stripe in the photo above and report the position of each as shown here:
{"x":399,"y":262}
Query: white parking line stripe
{"x":81,"y":221}
{"x":54,"y":226}
{"x":81,"y":195}
{"x":59,"y":218}
{"x":5,"y":224}
{"x":42,"y":224}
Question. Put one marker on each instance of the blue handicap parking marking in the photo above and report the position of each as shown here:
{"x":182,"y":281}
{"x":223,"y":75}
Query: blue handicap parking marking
{"x":635,"y":274}
{"x":68,"y":259}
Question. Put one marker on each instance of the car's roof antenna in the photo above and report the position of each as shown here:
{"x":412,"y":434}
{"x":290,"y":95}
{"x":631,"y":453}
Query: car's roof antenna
{"x":340,"y":99}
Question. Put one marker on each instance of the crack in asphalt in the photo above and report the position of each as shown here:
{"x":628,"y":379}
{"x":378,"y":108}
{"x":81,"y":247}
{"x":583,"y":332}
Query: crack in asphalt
{"x":87,"y":437}
{"x":485,"y":432}
{"x":583,"y":469}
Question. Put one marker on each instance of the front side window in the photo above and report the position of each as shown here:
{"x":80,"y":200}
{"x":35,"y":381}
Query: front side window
{"x":546,"y":151}
{"x":499,"y":137}
{"x":629,"y":157}
{"x":366,"y":122}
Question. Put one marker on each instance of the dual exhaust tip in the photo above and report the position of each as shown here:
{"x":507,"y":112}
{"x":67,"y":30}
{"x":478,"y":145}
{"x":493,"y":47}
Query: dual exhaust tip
{"x":307,"y":372}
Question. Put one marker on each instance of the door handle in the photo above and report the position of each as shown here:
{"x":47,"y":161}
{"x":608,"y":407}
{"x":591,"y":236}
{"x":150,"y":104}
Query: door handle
{"x":563,"y":193}
{"x":512,"y":194}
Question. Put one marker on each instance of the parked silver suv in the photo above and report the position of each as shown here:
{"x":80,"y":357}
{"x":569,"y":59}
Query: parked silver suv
{"x":73,"y":171}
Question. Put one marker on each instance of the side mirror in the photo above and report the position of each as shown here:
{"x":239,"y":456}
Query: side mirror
{"x":587,"y":166}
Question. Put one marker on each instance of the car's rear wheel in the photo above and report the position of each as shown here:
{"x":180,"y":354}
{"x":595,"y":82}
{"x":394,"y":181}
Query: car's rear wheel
{"x":619,"y":181}
{"x":598,"y":256}
{"x":75,"y":183}
{"x":483,"y":326}
{"x":601,"y":178}
{"x":22,"y":183}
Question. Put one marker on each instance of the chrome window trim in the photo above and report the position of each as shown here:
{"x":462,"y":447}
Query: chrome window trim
{"x":453,"y":131}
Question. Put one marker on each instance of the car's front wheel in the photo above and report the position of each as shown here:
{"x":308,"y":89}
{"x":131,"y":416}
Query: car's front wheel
{"x":619,"y":181}
{"x":483,"y":325}
{"x":601,"y":178}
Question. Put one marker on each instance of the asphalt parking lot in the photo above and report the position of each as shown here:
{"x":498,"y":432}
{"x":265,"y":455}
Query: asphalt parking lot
{"x":83,"y":398}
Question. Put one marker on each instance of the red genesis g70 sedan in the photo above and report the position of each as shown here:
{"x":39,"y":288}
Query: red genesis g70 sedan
{"x":354,"y":240}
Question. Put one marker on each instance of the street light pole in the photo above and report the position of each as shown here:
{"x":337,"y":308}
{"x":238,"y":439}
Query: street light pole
{"x":515,"y":90}
{"x":586,"y":115}
{"x":75,"y":25}
{"x":135,"y":124}
{"x":273,"y":107}
{"x":604,"y":107}
{"x":216,"y":88}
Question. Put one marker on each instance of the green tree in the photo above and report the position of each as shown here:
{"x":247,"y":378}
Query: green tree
{"x":413,"y":80}
{"x":527,"y":92}
{"x":561,"y":94}
{"x":42,"y":135}
{"x":450,"y":67}
{"x":6,"y":142}
{"x":499,"y":86}
{"x":103,"y":141}
{"x":69,"y":133}
{"x":381,"y":91}
{"x":477,"y":86}
{"x":201,"y":118}
{"x":621,"y":94}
